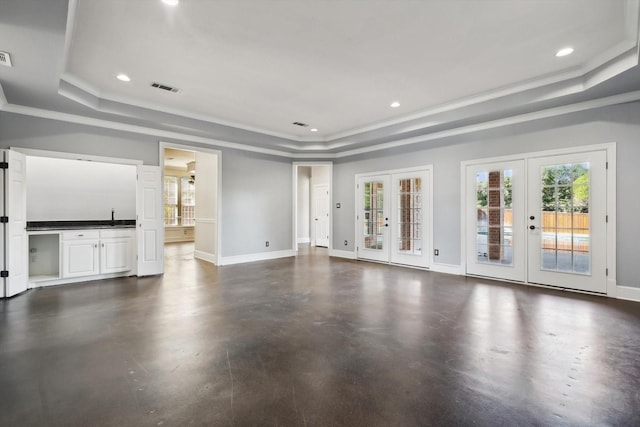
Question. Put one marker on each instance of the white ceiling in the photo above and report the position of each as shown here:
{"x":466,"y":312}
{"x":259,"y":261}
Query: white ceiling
{"x":178,"y":159}
{"x":335,"y":65}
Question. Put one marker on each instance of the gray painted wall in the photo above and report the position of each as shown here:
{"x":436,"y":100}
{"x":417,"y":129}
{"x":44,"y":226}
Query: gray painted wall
{"x":619,"y":124}
{"x":256,"y":189}
{"x":256,"y":203}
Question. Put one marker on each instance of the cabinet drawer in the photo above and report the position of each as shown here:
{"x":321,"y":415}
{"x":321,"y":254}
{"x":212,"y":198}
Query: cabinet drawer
{"x":80,"y":235}
{"x":110,"y":234}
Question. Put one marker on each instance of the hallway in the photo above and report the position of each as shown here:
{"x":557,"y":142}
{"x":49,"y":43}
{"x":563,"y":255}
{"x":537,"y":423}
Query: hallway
{"x":315,"y":341}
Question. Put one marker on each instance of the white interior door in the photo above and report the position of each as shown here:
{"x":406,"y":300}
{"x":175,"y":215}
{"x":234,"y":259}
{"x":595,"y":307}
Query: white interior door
{"x":16,"y":253}
{"x":150,"y":235}
{"x":321,"y":214}
{"x":495,"y":227}
{"x":409,"y":218}
{"x":567,"y":221}
{"x":373,"y":217}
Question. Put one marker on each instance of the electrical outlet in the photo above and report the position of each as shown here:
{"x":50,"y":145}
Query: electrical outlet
{"x":346,"y":243}
{"x":267,"y":243}
{"x":436,"y":252}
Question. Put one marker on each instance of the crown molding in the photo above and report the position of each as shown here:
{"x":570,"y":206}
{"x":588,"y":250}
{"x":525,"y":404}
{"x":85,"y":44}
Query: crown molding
{"x":319,"y":154}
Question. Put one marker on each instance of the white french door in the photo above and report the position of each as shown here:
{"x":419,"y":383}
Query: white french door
{"x":567,"y":221}
{"x":494,"y":220}
{"x":373,"y":217}
{"x":546,"y":225}
{"x":393,"y":216}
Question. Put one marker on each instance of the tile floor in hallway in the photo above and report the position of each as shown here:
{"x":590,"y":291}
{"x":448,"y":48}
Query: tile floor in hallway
{"x":315,"y":341}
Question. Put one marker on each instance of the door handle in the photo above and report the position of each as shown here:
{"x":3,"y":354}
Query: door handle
{"x":532,"y":227}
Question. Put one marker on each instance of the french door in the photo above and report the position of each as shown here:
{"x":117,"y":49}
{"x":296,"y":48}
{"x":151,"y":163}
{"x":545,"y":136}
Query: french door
{"x":494,"y":220}
{"x":567,"y":221}
{"x":393,"y":218}
{"x":546,"y":225}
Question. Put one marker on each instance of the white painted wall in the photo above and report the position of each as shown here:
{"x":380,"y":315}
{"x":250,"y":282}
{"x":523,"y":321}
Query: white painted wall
{"x":206,"y":205}
{"x":63,"y":189}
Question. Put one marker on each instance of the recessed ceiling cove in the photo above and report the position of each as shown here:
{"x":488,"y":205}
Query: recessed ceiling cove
{"x":254,"y":64}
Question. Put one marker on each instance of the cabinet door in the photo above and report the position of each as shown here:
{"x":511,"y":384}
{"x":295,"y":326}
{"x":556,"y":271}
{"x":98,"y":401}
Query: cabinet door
{"x":80,"y":258}
{"x":115,"y":255}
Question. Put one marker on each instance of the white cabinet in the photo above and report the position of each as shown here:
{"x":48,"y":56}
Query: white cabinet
{"x":116,"y":251}
{"x":80,"y":253}
{"x":94,"y":252}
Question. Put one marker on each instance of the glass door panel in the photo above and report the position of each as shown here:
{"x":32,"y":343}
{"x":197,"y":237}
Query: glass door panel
{"x":495,"y":203}
{"x":567,"y":200}
{"x":374,"y":218}
{"x":410,"y":218}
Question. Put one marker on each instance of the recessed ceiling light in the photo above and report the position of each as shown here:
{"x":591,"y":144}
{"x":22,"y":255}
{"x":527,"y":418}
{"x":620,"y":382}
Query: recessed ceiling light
{"x":395,"y":104}
{"x":170,"y":2}
{"x":564,"y":51}
{"x":123,"y":77}
{"x":313,"y":130}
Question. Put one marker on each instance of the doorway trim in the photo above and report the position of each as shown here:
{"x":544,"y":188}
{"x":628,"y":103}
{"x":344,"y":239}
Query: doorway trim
{"x":218,"y":153}
{"x":294,"y":207}
{"x":611,"y":196}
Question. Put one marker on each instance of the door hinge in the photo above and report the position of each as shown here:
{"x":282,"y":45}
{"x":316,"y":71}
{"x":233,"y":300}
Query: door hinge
{"x":607,"y":219}
{"x":4,"y":273}
{"x":4,"y":165}
{"x":4,"y":219}
{"x":606,"y":165}
{"x":607,"y":272}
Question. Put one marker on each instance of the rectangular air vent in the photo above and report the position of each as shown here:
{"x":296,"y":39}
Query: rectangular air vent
{"x":165,"y":87}
{"x":304,"y":125}
{"x":5,"y":59}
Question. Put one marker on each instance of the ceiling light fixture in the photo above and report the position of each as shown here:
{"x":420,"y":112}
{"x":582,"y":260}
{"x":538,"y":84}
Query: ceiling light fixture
{"x":395,"y":104}
{"x":123,"y":77}
{"x":170,"y":2}
{"x":564,"y":52}
{"x":314,"y":130}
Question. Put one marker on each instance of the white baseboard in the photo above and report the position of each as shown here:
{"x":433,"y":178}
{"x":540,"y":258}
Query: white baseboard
{"x":342,"y":254}
{"x":447,"y":268}
{"x":628,"y":293}
{"x":262,"y":256}
{"x":302,"y":240}
{"x":205,"y":256}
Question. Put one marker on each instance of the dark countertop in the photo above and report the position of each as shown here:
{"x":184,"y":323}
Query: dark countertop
{"x":79,"y":225}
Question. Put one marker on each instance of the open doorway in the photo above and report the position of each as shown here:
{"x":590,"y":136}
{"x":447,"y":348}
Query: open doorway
{"x":312,"y":210}
{"x":191,"y":187}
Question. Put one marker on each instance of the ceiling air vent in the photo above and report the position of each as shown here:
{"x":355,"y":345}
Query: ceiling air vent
{"x":304,"y":125}
{"x":165,"y":87}
{"x":5,"y":59}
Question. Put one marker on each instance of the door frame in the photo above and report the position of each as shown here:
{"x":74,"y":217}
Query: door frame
{"x":428,"y":226}
{"x":294,"y":205}
{"x":611,"y":197}
{"x":218,"y":153}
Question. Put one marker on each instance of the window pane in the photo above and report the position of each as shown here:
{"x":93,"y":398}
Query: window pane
{"x":566,"y":233}
{"x":187,"y":200}
{"x":171,"y":200}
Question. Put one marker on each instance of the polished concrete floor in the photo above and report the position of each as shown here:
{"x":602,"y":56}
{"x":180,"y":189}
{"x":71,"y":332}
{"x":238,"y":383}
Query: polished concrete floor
{"x":314,"y":341}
